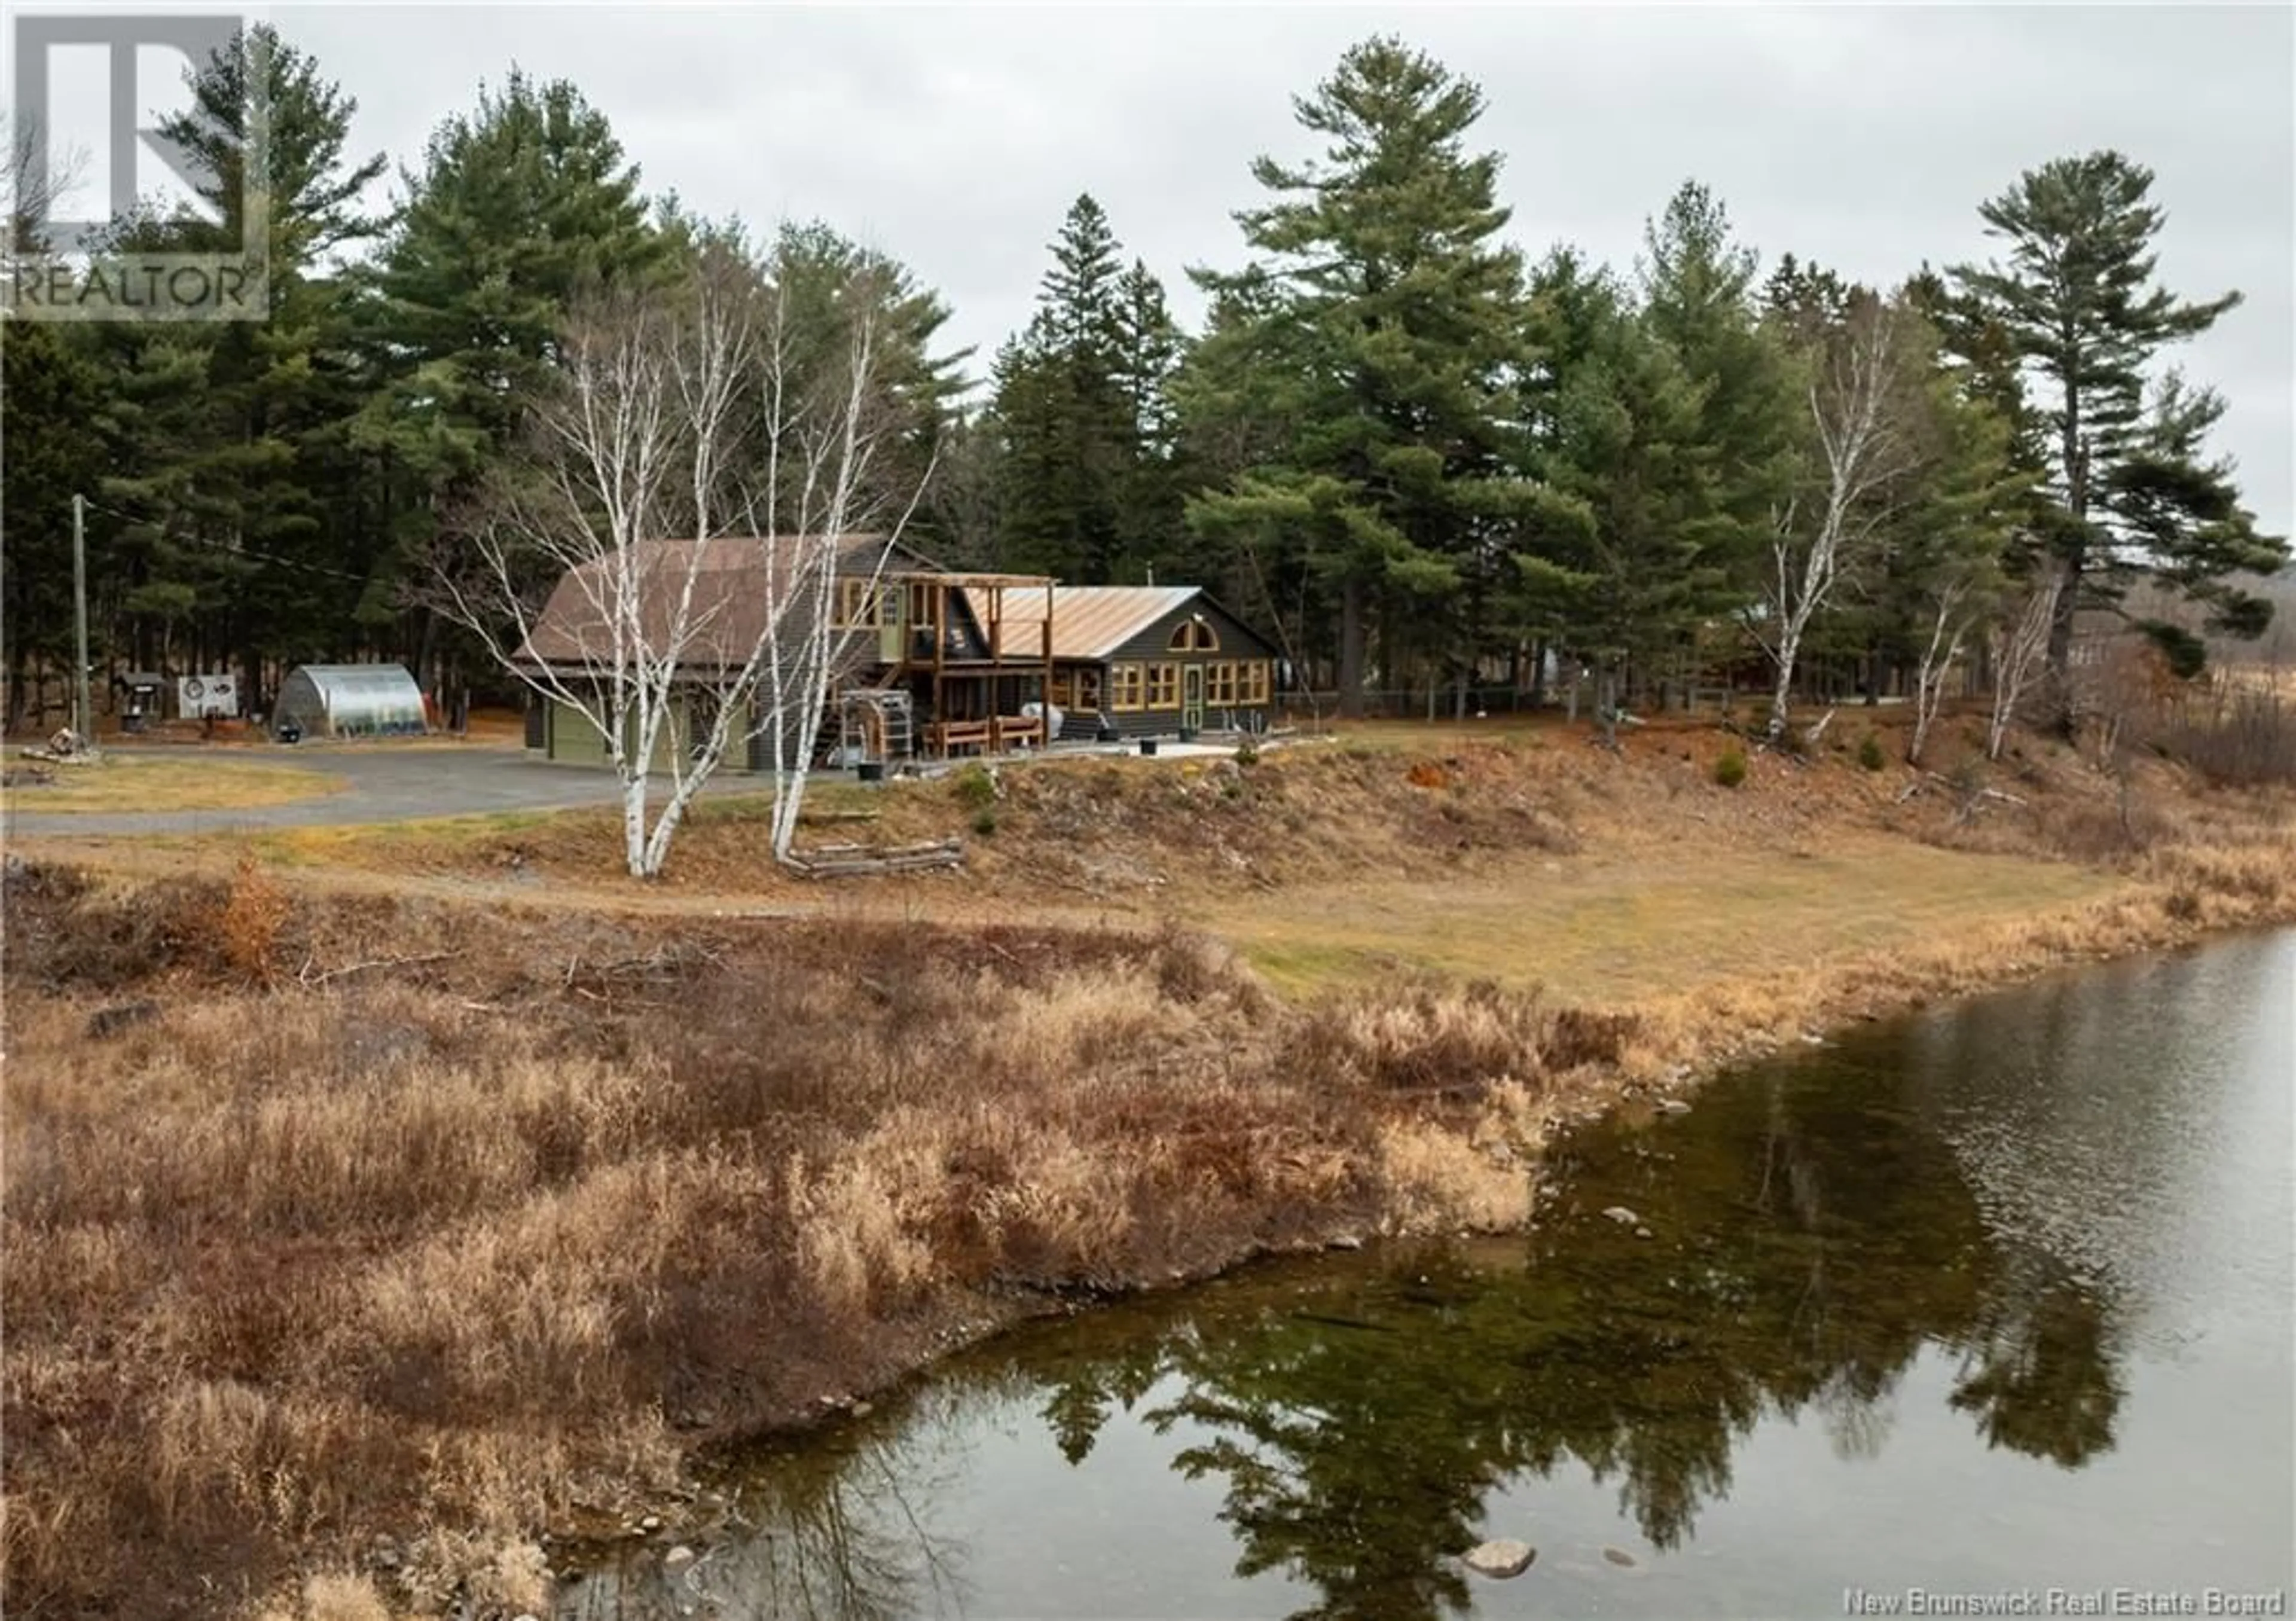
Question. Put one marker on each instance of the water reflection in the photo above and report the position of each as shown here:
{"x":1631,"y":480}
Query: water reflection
{"x":1997,"y":1197}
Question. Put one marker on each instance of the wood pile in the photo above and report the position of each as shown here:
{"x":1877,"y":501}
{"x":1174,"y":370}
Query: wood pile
{"x":859,"y":860}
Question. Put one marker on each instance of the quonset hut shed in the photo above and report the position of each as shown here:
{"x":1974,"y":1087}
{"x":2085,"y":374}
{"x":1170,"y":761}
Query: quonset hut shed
{"x":351,"y":701}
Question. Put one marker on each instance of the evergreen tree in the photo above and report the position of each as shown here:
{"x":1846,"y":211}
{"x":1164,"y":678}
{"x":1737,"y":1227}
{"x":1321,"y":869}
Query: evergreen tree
{"x":223,"y":451}
{"x":1387,"y":329}
{"x":1152,"y":533}
{"x":1616,"y":573}
{"x":818,"y":273}
{"x":1697,"y":300}
{"x":1069,"y":403}
{"x":50,"y":397}
{"x":2085,"y":318}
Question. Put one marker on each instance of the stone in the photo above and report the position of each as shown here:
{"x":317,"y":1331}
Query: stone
{"x":111,"y":1020}
{"x":1672,"y":1106}
{"x":678,"y":1558}
{"x":862,"y":1410}
{"x":652,"y":1522}
{"x":1622,"y":1215}
{"x":1346,"y":1241}
{"x":1619,"y":1557}
{"x":1642,"y":1233}
{"x":1501,"y":1558}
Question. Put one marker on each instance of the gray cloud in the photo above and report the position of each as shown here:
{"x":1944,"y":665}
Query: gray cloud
{"x":1860,"y":137}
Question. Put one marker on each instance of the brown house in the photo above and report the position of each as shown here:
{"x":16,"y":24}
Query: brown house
{"x":922,"y":659}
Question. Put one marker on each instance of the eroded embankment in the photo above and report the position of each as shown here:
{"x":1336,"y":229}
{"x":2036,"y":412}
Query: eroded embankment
{"x":329,"y":1219}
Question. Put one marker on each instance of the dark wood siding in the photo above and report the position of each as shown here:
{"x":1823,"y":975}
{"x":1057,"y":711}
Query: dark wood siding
{"x":1238,"y":644}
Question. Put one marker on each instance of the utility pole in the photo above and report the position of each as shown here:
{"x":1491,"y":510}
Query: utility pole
{"x":84,"y":715}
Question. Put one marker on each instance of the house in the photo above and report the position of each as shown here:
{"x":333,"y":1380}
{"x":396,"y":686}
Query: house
{"x":925,"y":660}
{"x":920,"y":659}
{"x":1144,"y":660}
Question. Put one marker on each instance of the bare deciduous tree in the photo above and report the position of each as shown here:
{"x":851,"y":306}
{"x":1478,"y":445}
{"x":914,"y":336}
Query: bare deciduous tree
{"x":2017,"y":645}
{"x":629,"y":570}
{"x":1954,"y":616}
{"x":1866,"y":403}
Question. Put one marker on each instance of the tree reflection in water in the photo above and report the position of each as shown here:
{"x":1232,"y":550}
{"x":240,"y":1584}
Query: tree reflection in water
{"x":1808,"y":1237}
{"x":1808,"y":1242}
{"x":844,"y":1538}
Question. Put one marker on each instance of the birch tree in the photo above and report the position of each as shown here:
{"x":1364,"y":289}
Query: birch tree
{"x":1866,"y":441}
{"x":2018,"y":644}
{"x":627,"y":571}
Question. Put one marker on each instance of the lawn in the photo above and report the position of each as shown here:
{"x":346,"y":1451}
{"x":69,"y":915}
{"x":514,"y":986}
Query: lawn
{"x":1605,"y":932}
{"x":120,"y":784}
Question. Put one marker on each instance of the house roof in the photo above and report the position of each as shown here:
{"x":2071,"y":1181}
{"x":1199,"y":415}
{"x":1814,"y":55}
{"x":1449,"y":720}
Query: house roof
{"x":731,"y":575}
{"x":1088,"y":621}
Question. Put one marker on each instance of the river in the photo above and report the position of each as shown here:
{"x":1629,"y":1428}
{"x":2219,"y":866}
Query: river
{"x":1988,"y":1305}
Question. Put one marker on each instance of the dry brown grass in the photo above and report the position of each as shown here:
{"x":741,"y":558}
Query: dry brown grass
{"x":138,"y":783}
{"x":455,"y":1222}
{"x":446,"y":1249}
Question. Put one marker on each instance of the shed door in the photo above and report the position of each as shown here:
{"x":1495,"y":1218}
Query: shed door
{"x":1192,"y":696}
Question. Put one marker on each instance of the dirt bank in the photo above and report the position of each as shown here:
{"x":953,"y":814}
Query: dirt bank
{"x":336,"y":1214}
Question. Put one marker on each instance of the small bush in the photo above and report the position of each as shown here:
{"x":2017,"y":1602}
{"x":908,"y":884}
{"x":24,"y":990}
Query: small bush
{"x":984,"y":820}
{"x":1730,"y":770}
{"x":1247,"y":753}
{"x":1869,"y":753}
{"x":974,"y":787}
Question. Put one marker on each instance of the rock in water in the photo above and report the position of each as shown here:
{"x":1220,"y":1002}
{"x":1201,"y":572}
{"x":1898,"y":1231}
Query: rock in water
{"x":1501,"y":1558}
{"x":1673,"y":1106}
{"x":678,"y":1558}
{"x":1619,"y":1557}
{"x":1622,"y":1215}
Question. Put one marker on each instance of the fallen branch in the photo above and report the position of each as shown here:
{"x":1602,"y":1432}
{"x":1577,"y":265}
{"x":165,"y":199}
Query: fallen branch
{"x":307,"y":977}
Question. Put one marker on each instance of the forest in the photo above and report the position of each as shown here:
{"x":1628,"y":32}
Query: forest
{"x":1437,"y":468}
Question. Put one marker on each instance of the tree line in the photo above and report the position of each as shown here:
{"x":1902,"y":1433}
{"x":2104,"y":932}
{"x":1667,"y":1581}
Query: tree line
{"x":1415,"y":454}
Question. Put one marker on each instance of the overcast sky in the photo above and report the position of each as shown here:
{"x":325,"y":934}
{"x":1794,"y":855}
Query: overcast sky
{"x":1862,"y":138}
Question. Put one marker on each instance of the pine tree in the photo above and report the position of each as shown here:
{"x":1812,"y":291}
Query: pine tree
{"x":224,"y":468}
{"x":50,"y":397}
{"x":1386,"y":329}
{"x":1068,"y":406}
{"x":1697,"y":284}
{"x":1616,"y":572}
{"x":2086,"y":320}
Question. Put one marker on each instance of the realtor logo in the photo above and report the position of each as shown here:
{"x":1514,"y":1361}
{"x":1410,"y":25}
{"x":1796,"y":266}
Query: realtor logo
{"x":105,"y":247}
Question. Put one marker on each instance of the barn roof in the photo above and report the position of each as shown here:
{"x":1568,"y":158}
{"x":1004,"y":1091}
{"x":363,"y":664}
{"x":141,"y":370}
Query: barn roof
{"x":731,"y":575}
{"x":1088,"y":621}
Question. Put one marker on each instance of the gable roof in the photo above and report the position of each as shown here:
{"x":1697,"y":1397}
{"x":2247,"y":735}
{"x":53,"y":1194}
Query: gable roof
{"x":730,"y":575}
{"x":1088,"y":621}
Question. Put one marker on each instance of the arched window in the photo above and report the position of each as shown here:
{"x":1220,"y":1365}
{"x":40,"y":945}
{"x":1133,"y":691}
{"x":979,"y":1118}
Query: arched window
{"x":1194,"y":636}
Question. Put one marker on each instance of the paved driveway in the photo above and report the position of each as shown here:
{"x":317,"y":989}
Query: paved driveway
{"x":387,"y":784}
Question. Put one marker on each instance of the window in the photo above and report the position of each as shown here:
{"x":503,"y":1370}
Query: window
{"x":1194,"y":636}
{"x":1124,"y":681}
{"x":1220,"y":684}
{"x":1255,"y":681}
{"x":920,"y":604}
{"x":860,"y":605}
{"x":1087,"y":689}
{"x":1163,"y":686}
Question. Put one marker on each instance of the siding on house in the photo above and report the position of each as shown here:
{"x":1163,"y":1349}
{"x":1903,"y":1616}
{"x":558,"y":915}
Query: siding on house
{"x":1239,"y":648}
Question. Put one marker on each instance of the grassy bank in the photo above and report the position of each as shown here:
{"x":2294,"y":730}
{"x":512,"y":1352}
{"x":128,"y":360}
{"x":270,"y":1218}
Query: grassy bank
{"x":336,"y":1211}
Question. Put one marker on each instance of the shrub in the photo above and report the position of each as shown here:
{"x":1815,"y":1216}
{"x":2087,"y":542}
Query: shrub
{"x":974,"y":787}
{"x":1730,"y":770}
{"x":1869,"y":753}
{"x":1247,"y":753}
{"x":984,"y":820}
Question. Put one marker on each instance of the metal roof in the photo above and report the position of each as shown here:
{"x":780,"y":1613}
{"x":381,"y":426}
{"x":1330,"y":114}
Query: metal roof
{"x":1088,"y":621}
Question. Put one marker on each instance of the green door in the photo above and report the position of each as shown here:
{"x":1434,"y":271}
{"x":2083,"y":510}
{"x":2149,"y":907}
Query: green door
{"x":1192,"y":697}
